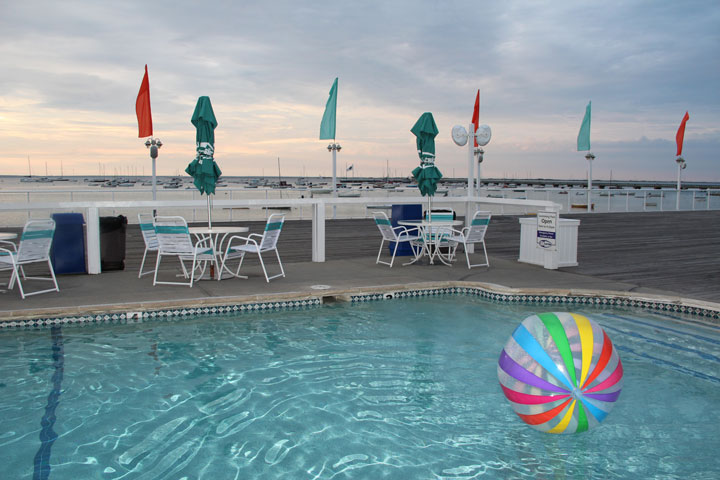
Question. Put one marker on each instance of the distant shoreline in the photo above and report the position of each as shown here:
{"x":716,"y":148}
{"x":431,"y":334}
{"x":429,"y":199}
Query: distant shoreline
{"x":492,"y":182}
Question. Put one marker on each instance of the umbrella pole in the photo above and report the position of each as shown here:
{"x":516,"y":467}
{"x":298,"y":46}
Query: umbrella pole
{"x":209,"y":212}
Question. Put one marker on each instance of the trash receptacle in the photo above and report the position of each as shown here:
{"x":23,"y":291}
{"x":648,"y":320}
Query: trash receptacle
{"x":67,"y":253}
{"x":404,"y":212}
{"x":112,"y":243}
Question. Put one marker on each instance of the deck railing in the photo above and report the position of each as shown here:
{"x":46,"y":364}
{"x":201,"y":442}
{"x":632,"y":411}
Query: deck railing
{"x":572,"y":200}
{"x":321,"y":209}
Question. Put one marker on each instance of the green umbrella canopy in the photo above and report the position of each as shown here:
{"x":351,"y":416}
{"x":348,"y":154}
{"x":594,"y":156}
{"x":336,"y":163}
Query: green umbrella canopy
{"x":427,"y":174}
{"x":203,"y":168}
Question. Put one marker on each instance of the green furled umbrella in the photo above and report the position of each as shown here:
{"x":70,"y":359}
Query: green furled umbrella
{"x":427,"y":174}
{"x":203,"y":168}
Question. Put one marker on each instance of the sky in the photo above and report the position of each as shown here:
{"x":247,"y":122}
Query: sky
{"x":71,"y":72}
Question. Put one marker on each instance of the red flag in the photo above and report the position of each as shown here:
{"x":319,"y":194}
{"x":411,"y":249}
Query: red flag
{"x":142,"y":108}
{"x":476,"y":114}
{"x":681,"y":134}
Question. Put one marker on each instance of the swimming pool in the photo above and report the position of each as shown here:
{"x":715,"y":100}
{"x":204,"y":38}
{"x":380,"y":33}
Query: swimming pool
{"x":404,"y":388}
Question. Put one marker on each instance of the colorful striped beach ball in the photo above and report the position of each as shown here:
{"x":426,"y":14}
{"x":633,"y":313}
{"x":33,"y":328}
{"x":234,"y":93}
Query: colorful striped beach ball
{"x":560,"y":372}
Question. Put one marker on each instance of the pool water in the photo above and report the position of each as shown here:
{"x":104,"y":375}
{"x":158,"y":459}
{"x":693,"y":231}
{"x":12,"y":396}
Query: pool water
{"x":401,"y":389}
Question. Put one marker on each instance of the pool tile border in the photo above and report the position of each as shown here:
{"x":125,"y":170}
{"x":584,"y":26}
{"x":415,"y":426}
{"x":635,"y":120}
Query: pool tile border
{"x":581,"y":300}
{"x":172,"y":313}
{"x":161,"y":314}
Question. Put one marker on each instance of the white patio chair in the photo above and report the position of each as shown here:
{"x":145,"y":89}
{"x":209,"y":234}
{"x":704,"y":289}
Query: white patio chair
{"x":437,"y":236}
{"x":399,"y":234}
{"x":473,"y":234}
{"x":174,"y":240}
{"x":34,"y":247}
{"x":147,"y":228}
{"x":257,"y":244}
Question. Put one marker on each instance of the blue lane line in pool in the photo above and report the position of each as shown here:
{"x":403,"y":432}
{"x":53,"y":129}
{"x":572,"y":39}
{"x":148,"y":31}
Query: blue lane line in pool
{"x":47,"y":434}
{"x":667,"y":329}
{"x":705,"y":356}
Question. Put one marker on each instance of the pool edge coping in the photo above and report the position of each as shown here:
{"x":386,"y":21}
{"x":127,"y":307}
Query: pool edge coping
{"x":707,"y":312}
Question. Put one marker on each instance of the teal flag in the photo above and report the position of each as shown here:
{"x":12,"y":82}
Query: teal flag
{"x":327,"y":126}
{"x":583,"y":139}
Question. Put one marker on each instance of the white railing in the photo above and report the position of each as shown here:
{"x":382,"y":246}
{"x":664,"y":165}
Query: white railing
{"x":616,"y":200}
{"x":572,"y":200}
{"x":321,"y":209}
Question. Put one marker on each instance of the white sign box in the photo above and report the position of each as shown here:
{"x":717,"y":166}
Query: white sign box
{"x":547,"y":230}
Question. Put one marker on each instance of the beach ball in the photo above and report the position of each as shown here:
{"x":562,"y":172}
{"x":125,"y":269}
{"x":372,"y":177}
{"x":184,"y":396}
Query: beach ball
{"x":560,"y":372}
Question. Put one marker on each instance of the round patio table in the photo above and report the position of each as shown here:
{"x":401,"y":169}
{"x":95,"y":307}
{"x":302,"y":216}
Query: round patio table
{"x":427,"y":228}
{"x":213,"y":233}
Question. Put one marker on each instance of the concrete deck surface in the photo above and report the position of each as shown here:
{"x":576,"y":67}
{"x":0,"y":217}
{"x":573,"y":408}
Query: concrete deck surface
{"x":667,"y":256}
{"x":122,"y":291}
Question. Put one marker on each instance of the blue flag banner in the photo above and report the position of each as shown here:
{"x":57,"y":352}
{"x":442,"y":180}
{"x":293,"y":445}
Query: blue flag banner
{"x":583,"y":140}
{"x":327,"y":126}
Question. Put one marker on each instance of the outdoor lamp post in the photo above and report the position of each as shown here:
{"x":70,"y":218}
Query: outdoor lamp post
{"x":681,"y":166}
{"x":590,"y":157}
{"x":154,"y":145}
{"x":461,"y":137}
{"x":334,"y":148}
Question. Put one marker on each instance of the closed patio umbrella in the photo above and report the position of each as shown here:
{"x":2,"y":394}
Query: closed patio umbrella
{"x":427,"y":174}
{"x":203,"y":168}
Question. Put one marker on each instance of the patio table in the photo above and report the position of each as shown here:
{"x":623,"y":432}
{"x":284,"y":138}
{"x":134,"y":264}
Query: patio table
{"x":213,"y":233}
{"x":427,"y":228}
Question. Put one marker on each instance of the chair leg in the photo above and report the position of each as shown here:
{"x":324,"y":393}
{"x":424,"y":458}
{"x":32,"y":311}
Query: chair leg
{"x":182,"y":265}
{"x":16,"y":276}
{"x":392,"y":260}
{"x":157,"y":267}
{"x":262,"y":264}
{"x":377,"y":260}
{"x":192,"y":272}
{"x":52,"y":275}
{"x":487,"y":260}
{"x":142,"y":264}
{"x":13,"y":276}
{"x":242,"y":259}
{"x":282,"y":270}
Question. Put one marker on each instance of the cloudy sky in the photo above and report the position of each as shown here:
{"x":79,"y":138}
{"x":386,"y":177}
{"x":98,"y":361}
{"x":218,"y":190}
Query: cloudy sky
{"x":71,"y":72}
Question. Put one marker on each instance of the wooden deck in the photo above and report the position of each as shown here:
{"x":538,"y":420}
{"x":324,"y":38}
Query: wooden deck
{"x":673,"y":251}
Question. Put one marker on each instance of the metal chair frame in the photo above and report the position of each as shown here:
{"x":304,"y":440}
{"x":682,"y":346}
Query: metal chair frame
{"x":473,"y":234}
{"x":399,"y":234}
{"x":174,"y":240}
{"x":34,"y":247}
{"x":256,"y":244}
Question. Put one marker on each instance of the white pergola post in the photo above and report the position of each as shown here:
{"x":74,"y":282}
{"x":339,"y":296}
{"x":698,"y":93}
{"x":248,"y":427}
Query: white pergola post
{"x":92,"y":239}
{"x":318,"y":231}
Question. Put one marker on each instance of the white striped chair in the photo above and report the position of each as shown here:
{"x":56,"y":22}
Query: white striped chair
{"x":34,"y":247}
{"x":257,"y":244}
{"x":174,"y":240}
{"x":399,"y":234}
{"x":473,"y":234}
{"x":147,"y":228}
